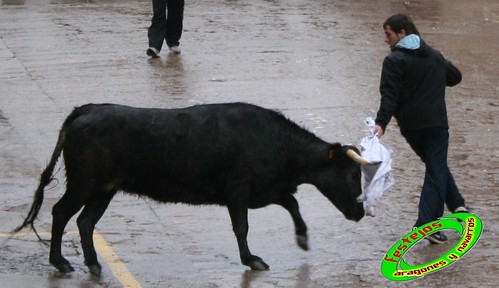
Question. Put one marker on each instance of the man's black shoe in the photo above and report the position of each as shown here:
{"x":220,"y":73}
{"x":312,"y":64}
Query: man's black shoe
{"x":153,"y":52}
{"x":437,"y":238}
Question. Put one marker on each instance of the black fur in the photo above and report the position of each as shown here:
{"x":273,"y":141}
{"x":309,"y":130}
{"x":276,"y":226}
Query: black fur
{"x":236,"y":155}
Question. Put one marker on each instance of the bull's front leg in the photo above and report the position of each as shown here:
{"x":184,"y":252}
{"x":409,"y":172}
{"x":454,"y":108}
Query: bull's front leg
{"x":239,"y":217}
{"x":289,"y":203}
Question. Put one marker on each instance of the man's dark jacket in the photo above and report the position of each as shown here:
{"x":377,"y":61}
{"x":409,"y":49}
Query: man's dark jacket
{"x":413,"y":88}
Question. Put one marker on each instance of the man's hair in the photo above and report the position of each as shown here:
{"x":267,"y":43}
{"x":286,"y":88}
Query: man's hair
{"x":399,"y":22}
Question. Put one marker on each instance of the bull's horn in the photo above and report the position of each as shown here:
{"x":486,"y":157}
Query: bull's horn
{"x":357,"y":158}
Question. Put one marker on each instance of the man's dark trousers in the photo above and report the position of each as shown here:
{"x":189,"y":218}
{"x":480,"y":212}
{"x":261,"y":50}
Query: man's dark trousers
{"x":431,"y":145}
{"x":166,"y":27}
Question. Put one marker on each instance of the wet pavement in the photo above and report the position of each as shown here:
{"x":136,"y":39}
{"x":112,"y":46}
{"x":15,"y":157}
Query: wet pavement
{"x":316,"y":61}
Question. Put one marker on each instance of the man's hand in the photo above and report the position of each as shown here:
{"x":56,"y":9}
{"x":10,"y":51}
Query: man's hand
{"x":378,"y":131}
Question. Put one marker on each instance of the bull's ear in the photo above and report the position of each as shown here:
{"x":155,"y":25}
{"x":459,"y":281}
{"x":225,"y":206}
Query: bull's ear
{"x":333,"y":150}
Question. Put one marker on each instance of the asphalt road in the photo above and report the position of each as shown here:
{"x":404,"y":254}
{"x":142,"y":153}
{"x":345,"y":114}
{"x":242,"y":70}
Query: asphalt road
{"x":318,"y":62}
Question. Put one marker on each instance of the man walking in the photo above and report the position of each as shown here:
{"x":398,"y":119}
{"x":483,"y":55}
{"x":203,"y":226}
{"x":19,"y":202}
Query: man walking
{"x":165,"y":27}
{"x":413,"y":81}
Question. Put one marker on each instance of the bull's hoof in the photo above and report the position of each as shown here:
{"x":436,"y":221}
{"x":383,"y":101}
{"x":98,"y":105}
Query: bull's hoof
{"x":259,"y":265}
{"x":256,"y":263}
{"x":302,"y":241}
{"x":95,"y":269}
{"x":64,"y":267}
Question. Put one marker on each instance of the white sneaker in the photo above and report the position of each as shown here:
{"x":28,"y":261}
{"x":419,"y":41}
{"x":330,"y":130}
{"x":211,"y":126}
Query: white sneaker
{"x":175,"y":49}
{"x":461,"y":209}
{"x":153,"y":52}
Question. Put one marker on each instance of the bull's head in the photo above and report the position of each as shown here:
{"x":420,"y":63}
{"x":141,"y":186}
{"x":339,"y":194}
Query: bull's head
{"x":341,"y":181}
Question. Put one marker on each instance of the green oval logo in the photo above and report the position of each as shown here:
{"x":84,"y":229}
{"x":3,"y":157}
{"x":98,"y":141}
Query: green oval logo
{"x":393,"y":265}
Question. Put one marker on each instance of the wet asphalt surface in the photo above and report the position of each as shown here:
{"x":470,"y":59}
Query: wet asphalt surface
{"x":316,"y":61}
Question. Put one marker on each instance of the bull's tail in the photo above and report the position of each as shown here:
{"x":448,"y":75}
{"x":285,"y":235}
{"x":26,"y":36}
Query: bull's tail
{"x":46,"y":176}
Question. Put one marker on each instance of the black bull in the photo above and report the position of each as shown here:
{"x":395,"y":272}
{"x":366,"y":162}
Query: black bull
{"x":236,"y":155}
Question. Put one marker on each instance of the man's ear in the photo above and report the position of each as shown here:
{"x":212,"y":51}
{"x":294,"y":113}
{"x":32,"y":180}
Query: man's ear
{"x":402,"y":33}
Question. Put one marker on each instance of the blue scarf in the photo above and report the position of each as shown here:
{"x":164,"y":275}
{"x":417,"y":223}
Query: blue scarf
{"x":411,"y":42}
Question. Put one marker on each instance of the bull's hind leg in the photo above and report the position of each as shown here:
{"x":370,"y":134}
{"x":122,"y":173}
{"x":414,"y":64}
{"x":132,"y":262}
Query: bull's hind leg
{"x":93,"y":211}
{"x":62,"y":211}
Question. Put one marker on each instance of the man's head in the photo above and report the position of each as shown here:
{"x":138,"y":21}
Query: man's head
{"x":397,"y":27}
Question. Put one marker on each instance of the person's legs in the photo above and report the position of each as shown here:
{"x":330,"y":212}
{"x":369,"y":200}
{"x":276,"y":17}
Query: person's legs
{"x":453,"y":198}
{"x":174,"y":22}
{"x":157,"y":31}
{"x":431,"y":145}
{"x":434,"y":191}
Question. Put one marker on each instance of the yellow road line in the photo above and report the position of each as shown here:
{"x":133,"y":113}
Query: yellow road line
{"x":105,"y":250}
{"x":115,"y":264}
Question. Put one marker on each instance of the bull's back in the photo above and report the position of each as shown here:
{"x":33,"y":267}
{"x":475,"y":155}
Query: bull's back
{"x":189,"y":150}
{"x":197,"y":130}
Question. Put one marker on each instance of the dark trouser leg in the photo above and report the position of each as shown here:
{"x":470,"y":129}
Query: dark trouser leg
{"x":157,"y":31}
{"x":431,"y":145}
{"x":453,"y":198}
{"x":174,"y":22}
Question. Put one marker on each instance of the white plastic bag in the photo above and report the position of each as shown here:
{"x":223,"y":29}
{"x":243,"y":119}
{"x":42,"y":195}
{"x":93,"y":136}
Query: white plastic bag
{"x":378,"y":178}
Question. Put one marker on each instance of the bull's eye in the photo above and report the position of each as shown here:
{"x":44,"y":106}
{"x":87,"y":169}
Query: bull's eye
{"x":356,"y":175}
